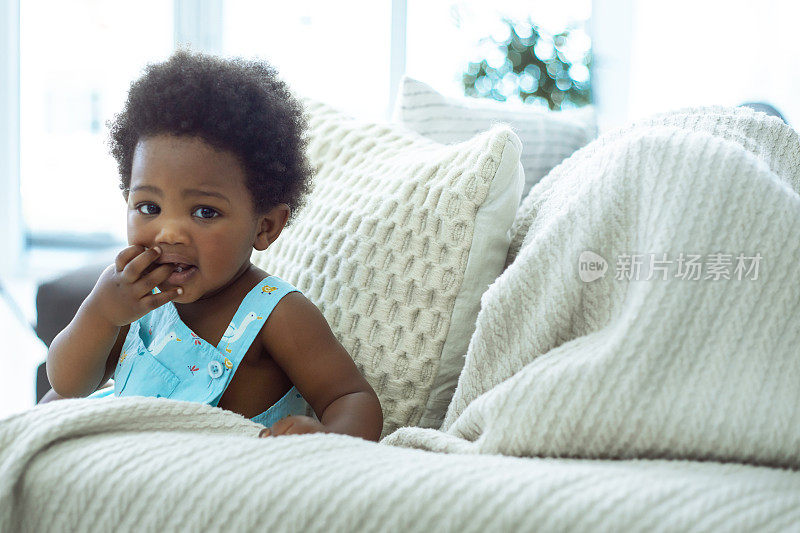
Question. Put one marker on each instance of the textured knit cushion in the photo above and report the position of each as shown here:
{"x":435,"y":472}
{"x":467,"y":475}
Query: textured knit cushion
{"x":547,"y":137}
{"x":398,"y":240}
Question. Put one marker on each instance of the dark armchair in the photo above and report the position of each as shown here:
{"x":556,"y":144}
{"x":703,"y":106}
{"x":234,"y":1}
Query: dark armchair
{"x":57,"y":301}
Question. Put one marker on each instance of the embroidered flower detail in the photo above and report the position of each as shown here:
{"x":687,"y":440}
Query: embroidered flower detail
{"x":193,"y":369}
{"x":196,"y":338}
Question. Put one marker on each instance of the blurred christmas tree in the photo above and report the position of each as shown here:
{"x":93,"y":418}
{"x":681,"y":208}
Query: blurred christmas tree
{"x":537,"y":67}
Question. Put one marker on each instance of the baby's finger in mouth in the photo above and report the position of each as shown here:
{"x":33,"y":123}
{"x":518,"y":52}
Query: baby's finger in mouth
{"x":126,"y":255}
{"x":137,"y":267}
{"x":156,"y":265}
{"x":157,"y":273}
{"x":179,"y":274}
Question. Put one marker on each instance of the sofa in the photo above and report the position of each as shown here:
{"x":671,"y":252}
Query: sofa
{"x":612,"y":349}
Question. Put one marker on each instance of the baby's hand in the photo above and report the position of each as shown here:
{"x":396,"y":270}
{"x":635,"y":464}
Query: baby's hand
{"x":294,"y":425}
{"x":124,"y":291}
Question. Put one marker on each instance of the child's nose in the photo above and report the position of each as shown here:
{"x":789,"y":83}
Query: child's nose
{"x":171,"y":232}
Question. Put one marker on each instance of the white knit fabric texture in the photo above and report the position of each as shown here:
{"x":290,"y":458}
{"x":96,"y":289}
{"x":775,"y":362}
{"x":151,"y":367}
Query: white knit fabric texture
{"x":662,"y":368}
{"x":150,"y":464}
{"x":399,"y":238}
{"x":547,"y":137}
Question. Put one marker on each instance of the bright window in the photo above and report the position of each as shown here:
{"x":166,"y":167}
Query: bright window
{"x":77,"y":60}
{"x":336,"y":52}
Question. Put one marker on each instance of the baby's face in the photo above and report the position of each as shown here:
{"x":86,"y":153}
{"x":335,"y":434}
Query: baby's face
{"x":192,"y":202}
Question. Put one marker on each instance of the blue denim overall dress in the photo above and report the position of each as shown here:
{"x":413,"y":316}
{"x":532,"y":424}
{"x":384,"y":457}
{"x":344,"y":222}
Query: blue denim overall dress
{"x":162,"y":357}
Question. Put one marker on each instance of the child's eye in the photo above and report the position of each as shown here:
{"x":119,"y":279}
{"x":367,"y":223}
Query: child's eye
{"x":205,"y":212}
{"x":148,"y":209}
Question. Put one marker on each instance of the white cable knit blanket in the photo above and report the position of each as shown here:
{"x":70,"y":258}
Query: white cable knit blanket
{"x":668,"y":375}
{"x":149,"y":464}
{"x":694,"y":363}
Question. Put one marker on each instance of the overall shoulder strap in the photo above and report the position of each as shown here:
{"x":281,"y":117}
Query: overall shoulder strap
{"x":251,"y":317}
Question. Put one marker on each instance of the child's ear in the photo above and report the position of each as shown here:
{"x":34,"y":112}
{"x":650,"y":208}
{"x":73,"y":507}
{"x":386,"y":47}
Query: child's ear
{"x":270,"y":226}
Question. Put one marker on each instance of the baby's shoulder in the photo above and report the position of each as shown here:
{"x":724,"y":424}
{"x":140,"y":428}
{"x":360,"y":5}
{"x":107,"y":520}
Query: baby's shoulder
{"x":293,"y":315}
{"x":291,"y":308}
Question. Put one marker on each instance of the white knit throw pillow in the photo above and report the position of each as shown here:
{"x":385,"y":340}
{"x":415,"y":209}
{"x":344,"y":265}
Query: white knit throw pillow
{"x":547,"y":137}
{"x":398,"y":240}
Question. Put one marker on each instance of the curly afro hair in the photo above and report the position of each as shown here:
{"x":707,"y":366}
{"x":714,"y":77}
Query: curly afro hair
{"x":235,"y":105}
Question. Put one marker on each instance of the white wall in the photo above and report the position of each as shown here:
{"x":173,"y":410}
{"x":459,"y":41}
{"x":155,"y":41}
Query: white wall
{"x":656,"y":56}
{"x":690,"y":52}
{"x":611,"y":31}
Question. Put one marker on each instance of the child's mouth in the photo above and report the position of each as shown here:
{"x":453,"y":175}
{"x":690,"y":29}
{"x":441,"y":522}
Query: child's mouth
{"x":181,"y":273}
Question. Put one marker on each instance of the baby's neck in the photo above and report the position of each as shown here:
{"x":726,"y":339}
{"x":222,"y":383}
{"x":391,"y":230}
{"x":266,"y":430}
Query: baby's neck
{"x":227,"y":297}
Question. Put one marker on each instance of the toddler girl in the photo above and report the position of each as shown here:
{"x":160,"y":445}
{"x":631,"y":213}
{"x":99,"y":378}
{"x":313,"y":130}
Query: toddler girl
{"x":211,"y":158}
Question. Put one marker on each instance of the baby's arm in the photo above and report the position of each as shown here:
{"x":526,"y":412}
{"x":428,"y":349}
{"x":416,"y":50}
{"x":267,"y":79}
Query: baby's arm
{"x":83,"y":355}
{"x":299,"y":339}
{"x":79,"y":356}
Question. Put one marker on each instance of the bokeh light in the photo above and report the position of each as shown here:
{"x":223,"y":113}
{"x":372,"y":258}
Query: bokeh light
{"x":533,"y":66}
